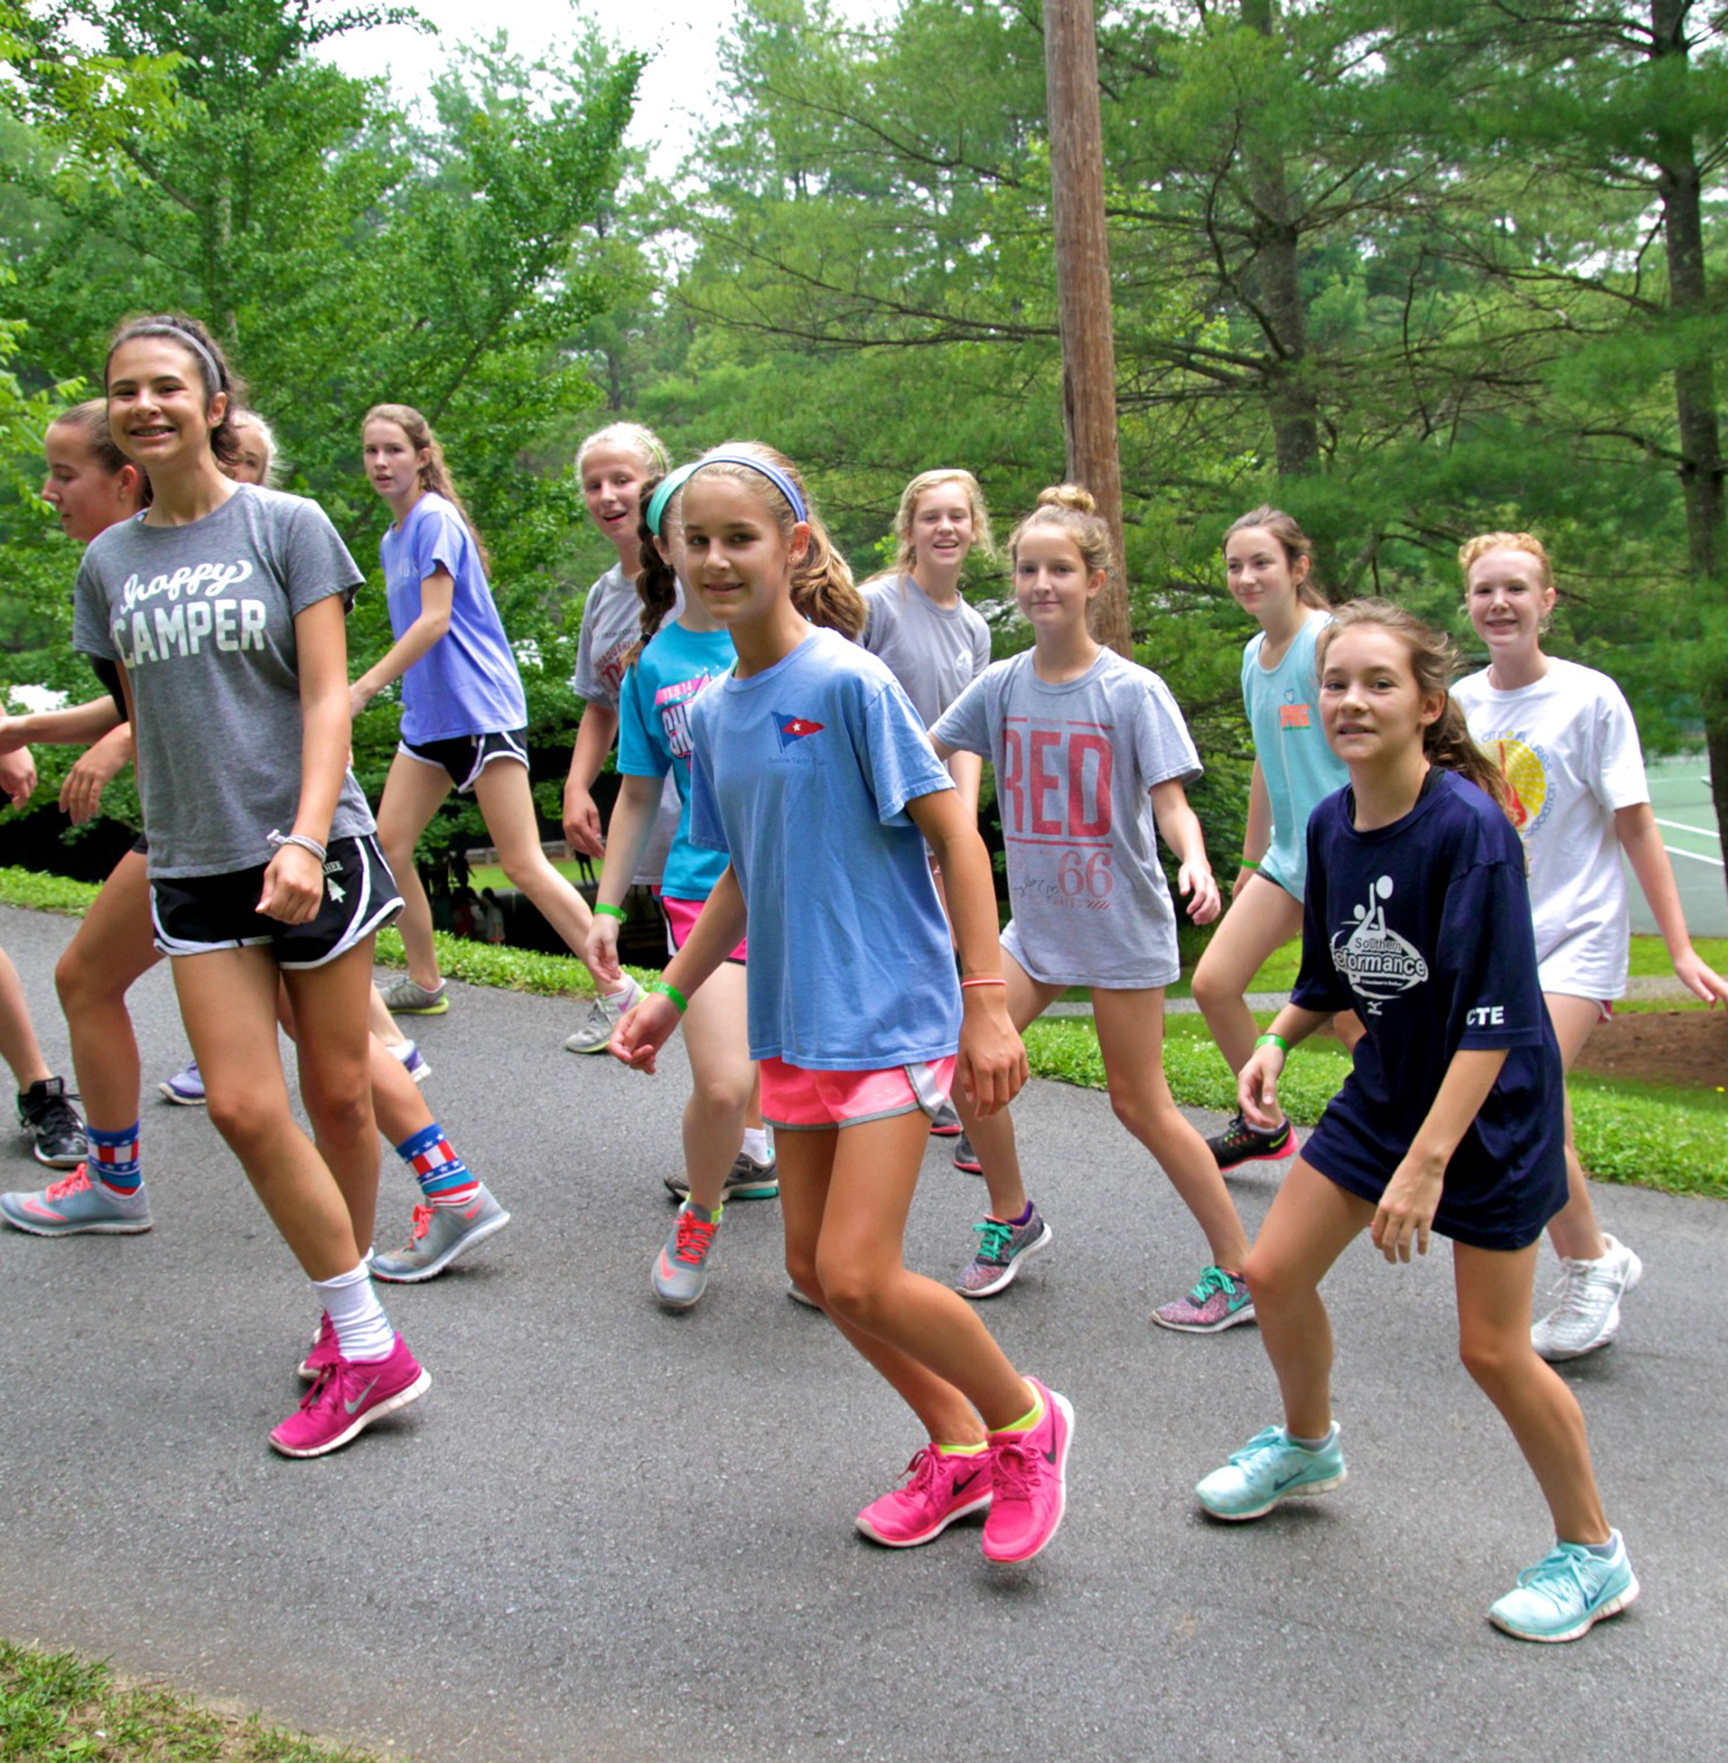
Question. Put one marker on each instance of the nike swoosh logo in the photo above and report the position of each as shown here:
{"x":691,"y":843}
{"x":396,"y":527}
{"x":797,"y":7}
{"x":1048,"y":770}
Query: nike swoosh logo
{"x":1279,"y":1486}
{"x":1049,"y":1456}
{"x":472,"y":1210}
{"x":961,"y":1486}
{"x":354,"y":1406}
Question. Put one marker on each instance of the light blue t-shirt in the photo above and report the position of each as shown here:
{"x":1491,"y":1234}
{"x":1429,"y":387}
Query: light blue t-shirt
{"x":466,"y":683}
{"x":1300,"y":770}
{"x":802,"y":774}
{"x":654,"y":702}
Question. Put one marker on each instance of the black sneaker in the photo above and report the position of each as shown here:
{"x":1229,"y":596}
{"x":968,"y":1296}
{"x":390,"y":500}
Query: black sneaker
{"x":53,"y":1123}
{"x":966,"y":1159}
{"x":1241,"y":1143}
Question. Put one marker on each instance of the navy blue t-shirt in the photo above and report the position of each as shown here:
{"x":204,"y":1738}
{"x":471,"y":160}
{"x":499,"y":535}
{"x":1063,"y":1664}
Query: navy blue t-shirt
{"x":1423,"y":928}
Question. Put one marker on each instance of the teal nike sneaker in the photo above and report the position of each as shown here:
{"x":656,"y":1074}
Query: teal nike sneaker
{"x":1567,"y":1593}
{"x":1267,"y":1469}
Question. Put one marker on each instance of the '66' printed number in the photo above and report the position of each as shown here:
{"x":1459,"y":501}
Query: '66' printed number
{"x":1085,"y":875}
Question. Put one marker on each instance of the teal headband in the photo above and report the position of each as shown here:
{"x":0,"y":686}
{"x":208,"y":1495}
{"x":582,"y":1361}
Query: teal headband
{"x":669,"y":487}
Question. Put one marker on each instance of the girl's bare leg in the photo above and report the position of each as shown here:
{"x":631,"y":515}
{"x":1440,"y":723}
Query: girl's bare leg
{"x":1261,"y":919}
{"x":723,"y":1081}
{"x":112,"y":948}
{"x":412,"y":793}
{"x":1494,"y":1342}
{"x":1131,"y":1039}
{"x":228,"y":1002}
{"x":993,"y":1138}
{"x":1574,"y":1230}
{"x":1311,"y":1223}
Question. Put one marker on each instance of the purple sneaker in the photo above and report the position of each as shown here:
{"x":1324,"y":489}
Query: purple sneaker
{"x":347,"y":1397}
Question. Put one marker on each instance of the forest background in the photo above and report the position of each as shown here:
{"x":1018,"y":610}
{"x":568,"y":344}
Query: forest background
{"x":1410,"y":268}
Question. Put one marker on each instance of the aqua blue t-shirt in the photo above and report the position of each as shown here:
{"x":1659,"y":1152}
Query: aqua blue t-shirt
{"x":802,"y":774}
{"x":1299,"y":768}
{"x":467,"y":682}
{"x":654,"y":703}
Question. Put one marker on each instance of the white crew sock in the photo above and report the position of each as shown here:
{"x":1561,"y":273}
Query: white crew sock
{"x":363,"y":1331}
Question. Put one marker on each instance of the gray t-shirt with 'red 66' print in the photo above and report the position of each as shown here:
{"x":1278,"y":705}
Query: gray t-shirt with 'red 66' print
{"x":201,"y":617}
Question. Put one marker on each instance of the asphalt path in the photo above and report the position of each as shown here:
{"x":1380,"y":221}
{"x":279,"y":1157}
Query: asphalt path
{"x":612,"y":1534}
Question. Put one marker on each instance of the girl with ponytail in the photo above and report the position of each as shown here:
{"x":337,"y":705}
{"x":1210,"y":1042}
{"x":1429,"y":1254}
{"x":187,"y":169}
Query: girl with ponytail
{"x":1417,"y":917}
{"x":464,"y":713}
{"x":812,"y":773}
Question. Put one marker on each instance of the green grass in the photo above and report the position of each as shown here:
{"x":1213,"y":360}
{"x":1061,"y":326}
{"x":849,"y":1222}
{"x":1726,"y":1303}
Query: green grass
{"x":1654,"y":1135}
{"x":55,"y":1708}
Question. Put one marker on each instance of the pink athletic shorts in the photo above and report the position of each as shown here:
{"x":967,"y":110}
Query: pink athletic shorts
{"x":796,"y":1100}
{"x":681,"y":916}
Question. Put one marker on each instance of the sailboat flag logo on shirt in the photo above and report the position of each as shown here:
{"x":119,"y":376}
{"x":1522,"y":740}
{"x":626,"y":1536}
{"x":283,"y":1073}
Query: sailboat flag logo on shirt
{"x":792,"y":729}
{"x":1375,"y":961}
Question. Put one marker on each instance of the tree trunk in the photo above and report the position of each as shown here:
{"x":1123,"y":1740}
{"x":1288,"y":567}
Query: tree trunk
{"x":1679,"y":188}
{"x":1290,"y":403}
{"x":1083,"y":289}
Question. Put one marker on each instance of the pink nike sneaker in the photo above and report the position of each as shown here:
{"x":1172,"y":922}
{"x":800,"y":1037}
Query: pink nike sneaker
{"x":1030,"y":1490}
{"x":324,"y":1350}
{"x":940,"y":1488}
{"x":348,"y":1396}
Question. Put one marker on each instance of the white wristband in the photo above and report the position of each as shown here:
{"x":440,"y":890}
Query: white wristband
{"x":300,"y":839}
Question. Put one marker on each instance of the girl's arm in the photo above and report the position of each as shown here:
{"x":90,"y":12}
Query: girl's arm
{"x":294,"y":880}
{"x":648,"y":1026}
{"x":1257,"y":835}
{"x":594,"y":737}
{"x":967,"y":771}
{"x":1641,"y":839}
{"x":633,"y":817}
{"x":437,"y":595}
{"x":78,"y":726}
{"x":1407,"y":1207}
{"x":1180,"y":826}
{"x":17,"y":777}
{"x":1257,"y":1081}
{"x":992,"y":1063}
{"x":81,"y":793}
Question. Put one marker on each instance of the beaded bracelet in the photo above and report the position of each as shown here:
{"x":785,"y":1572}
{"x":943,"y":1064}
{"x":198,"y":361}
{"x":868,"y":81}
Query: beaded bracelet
{"x":617,"y":912}
{"x":667,"y":990}
{"x":1272,"y":1040}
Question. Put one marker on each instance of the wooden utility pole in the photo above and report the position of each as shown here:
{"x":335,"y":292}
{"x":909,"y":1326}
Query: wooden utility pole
{"x":1083,"y":286}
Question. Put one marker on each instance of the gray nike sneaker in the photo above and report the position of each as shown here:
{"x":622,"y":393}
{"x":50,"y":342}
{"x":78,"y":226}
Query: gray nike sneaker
{"x":594,"y":1030}
{"x":745,"y":1180}
{"x":439,"y":1235}
{"x":681,"y":1268}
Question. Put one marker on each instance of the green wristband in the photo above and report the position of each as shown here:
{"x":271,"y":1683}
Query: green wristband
{"x":616,"y":912}
{"x":1249,"y":863}
{"x":669,"y":991}
{"x":1271,"y":1040}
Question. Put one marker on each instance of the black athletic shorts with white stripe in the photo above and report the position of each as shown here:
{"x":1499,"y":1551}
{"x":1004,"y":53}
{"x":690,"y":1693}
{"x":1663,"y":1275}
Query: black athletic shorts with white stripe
{"x":194,"y":914}
{"x":464,"y":757}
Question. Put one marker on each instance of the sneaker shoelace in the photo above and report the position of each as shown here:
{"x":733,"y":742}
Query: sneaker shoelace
{"x":1214,"y":1279}
{"x":920,"y":1473}
{"x":54,"y":1114}
{"x":77,"y":1182}
{"x":694,"y":1237}
{"x":1558,"y":1576}
{"x":994,"y":1238}
{"x":1017,"y":1467}
{"x":423,"y":1216}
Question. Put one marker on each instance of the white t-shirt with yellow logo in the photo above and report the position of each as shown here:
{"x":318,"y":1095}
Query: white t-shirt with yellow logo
{"x":1568,"y":747}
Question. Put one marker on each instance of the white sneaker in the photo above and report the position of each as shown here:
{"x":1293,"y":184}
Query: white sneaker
{"x":594,"y":1031}
{"x":1586,"y":1313}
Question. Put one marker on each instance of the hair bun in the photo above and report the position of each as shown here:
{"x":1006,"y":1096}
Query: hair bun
{"x":1075,"y":496}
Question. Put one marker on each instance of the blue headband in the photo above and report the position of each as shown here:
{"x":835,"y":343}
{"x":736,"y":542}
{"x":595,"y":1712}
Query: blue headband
{"x":669,"y":487}
{"x":773,"y":473}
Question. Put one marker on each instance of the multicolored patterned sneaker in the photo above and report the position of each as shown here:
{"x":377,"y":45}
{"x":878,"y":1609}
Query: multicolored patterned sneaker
{"x":681,"y":1267}
{"x":75,"y":1205}
{"x":347,"y":1396}
{"x":326,"y":1350}
{"x":1001,"y":1249}
{"x":1029,"y":1482}
{"x":1269,"y":1468}
{"x":1567,"y":1593}
{"x":1241,"y":1143}
{"x":438,"y":1235}
{"x":941,"y":1487}
{"x":1220,"y":1300}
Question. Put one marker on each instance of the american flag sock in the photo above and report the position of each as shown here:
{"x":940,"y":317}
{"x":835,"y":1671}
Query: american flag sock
{"x":443,"y":1177}
{"x":114,"y":1162}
